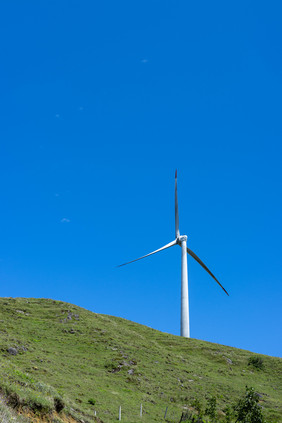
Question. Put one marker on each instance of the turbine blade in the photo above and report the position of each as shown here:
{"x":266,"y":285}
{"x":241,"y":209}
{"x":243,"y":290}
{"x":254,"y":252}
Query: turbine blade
{"x":177,"y":233}
{"x":171,"y":244}
{"x":192,"y":254}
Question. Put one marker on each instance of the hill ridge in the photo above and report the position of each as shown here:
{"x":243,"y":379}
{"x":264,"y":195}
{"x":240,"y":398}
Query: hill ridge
{"x":56,"y":354}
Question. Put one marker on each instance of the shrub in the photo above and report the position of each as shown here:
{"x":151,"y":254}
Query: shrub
{"x":247,"y":409}
{"x":198,"y":407}
{"x":112,"y":366}
{"x":91,"y":401}
{"x":256,"y":362}
{"x":190,"y":418}
{"x":211,"y":408}
{"x":228,"y":414}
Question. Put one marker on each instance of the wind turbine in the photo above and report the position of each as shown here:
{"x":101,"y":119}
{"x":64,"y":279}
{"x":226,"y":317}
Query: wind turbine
{"x":181,"y":240}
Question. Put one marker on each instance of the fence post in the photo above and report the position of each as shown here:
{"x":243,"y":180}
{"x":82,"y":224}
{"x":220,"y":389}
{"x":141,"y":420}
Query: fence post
{"x":165,"y":412}
{"x":141,"y":410}
{"x":119,"y":413}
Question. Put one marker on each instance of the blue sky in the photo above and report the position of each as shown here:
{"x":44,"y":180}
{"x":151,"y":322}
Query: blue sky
{"x":100,"y":103}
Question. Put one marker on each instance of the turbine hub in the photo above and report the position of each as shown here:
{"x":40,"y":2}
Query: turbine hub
{"x":181,"y":238}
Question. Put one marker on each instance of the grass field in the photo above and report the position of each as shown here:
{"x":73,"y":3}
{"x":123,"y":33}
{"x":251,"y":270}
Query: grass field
{"x":61,"y":363}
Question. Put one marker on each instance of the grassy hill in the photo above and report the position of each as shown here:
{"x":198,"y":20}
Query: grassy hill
{"x":61,"y":363}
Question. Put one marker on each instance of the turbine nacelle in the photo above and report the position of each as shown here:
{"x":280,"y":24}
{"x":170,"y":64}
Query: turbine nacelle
{"x":181,"y":238}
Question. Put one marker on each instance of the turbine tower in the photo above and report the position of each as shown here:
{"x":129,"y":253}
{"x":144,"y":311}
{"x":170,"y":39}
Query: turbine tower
{"x":181,"y":240}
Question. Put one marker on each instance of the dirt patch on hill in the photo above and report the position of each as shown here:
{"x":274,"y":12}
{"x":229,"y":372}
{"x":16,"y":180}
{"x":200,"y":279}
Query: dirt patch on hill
{"x":50,"y":418}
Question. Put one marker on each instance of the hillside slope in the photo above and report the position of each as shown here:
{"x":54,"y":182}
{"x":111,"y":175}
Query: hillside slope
{"x":62,"y":361}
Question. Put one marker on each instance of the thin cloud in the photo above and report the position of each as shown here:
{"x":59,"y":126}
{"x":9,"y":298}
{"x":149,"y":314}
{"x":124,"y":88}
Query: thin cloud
{"x":144,"y":61}
{"x":65,"y":220}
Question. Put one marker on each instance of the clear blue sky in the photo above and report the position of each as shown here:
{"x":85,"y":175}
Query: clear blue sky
{"x":100,"y":102}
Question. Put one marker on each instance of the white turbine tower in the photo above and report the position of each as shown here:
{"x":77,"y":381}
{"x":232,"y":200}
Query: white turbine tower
{"x":181,"y":240}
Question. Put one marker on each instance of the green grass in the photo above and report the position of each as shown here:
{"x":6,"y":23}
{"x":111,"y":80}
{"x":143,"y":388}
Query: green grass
{"x":78,"y":358}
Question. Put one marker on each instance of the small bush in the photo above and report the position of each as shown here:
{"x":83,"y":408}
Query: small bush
{"x":211,"y":408}
{"x":256,"y":362}
{"x":91,"y":401}
{"x":190,"y":418}
{"x":198,"y":407}
{"x":248,"y":409}
{"x":228,"y":414}
{"x":112,"y":367}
